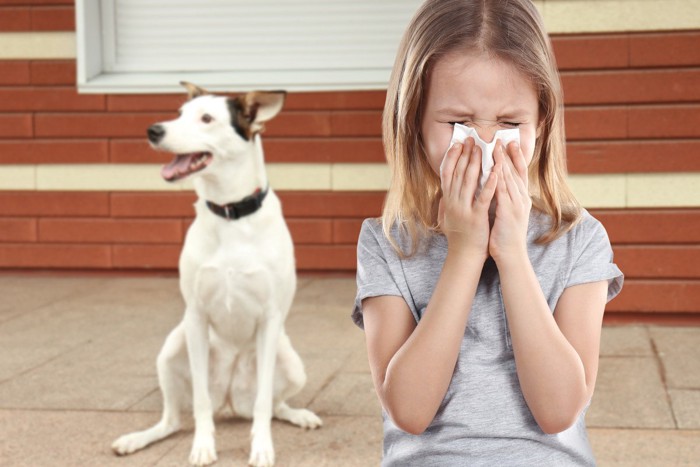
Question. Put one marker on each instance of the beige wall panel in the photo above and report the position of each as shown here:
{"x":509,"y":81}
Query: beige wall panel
{"x":574,"y":16}
{"x":361,"y":177}
{"x":599,"y":191}
{"x":37,"y":45}
{"x":663,"y":190}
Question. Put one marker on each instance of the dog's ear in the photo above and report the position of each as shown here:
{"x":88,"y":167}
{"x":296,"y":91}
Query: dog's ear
{"x":262,"y":106}
{"x":193,"y":90}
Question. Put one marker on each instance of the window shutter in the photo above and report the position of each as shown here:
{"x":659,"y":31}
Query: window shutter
{"x":238,"y":45}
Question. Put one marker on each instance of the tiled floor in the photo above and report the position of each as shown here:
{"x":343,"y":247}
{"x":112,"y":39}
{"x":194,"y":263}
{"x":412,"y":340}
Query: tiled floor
{"x":77,"y":369}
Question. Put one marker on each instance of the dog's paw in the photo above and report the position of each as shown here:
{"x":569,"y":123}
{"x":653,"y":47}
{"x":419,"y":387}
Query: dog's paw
{"x":300,"y":417}
{"x":262,"y":454}
{"x":305,"y":419}
{"x":127,"y":444}
{"x":203,"y":451}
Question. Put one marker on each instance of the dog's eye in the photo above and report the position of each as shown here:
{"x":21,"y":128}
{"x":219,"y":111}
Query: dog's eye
{"x":206,"y":118}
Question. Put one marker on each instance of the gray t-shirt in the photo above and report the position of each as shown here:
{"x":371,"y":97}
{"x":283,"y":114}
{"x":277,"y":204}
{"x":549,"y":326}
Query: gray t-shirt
{"x":483,"y":419}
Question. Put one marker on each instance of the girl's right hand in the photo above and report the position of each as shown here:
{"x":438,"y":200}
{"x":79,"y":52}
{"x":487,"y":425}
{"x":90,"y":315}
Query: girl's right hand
{"x":463,"y":219}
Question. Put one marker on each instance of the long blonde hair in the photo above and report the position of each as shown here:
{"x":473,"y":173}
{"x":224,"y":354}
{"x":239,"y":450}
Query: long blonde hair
{"x":513,"y":31}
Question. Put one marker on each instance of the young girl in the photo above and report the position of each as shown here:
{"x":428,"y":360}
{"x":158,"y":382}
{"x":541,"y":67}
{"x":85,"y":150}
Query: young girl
{"x":482,"y":307}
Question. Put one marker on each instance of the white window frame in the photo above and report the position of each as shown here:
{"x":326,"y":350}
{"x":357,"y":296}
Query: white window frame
{"x":96,"y":38}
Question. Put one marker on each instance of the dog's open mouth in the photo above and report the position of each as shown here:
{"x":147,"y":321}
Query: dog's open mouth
{"x":185,"y":164}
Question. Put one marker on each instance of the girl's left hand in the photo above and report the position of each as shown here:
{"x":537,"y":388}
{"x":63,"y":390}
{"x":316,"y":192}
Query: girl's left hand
{"x":509,"y":233}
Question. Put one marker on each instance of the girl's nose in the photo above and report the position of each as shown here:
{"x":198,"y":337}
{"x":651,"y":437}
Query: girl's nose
{"x":486,"y":132}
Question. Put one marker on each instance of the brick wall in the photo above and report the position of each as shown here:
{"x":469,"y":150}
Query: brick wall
{"x":632,"y":106}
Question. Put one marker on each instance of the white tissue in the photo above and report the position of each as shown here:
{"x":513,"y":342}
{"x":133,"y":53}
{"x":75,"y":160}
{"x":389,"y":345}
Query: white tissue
{"x":462,"y":132}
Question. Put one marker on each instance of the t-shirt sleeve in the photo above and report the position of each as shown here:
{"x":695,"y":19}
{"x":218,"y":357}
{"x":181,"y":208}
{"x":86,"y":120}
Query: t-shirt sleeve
{"x":374,"y":275}
{"x":595,"y":258}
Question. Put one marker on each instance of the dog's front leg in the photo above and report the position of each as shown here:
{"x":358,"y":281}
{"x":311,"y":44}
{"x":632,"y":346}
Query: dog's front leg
{"x":262,"y":451}
{"x":197,"y":335}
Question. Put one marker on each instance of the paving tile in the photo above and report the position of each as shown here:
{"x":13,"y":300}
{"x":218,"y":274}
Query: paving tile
{"x":686,"y":407}
{"x":321,"y":293}
{"x":23,"y":294}
{"x":648,"y":448}
{"x":342,"y":441}
{"x":629,"y":394}
{"x":348,"y":394}
{"x":679,"y":351}
{"x":624,"y":341}
{"x":47,"y":438}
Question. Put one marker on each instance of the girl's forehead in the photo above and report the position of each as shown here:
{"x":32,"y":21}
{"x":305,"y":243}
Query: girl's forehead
{"x":476,"y":78}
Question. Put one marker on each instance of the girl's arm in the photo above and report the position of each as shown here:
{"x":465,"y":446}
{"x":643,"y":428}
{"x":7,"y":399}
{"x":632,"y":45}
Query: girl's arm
{"x":412,"y":365}
{"x":556,"y":356}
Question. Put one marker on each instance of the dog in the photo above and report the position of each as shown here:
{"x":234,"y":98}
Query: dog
{"x":237,"y":278}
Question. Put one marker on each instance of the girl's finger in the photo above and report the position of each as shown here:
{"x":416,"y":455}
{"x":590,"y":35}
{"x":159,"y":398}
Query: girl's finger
{"x":519,"y":187}
{"x":510,"y":183}
{"x":487,"y":193}
{"x":447,"y":166}
{"x":459,"y":175}
{"x":471,"y":180}
{"x":518,"y":159}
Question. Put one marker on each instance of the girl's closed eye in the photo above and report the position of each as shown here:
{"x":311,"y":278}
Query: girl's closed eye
{"x":510,"y":124}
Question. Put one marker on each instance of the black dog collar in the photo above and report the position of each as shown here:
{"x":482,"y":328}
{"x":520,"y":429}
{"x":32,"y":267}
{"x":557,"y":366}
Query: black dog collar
{"x":242,"y":208}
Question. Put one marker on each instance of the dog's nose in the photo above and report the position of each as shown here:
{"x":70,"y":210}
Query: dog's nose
{"x":155,"y":133}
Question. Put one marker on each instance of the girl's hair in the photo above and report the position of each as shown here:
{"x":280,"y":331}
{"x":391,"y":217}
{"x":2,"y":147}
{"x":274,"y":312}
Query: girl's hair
{"x":511,"y":30}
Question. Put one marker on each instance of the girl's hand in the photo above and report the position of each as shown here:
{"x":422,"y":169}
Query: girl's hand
{"x":513,"y":204}
{"x":464,"y":220}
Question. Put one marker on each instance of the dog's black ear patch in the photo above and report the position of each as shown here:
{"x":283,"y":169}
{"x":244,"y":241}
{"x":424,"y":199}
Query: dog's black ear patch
{"x":239,"y":120}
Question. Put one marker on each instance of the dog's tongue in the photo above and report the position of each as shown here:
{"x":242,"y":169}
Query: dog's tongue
{"x":178,"y":167}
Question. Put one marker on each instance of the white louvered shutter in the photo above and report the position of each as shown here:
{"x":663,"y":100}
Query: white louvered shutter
{"x":292,"y":44}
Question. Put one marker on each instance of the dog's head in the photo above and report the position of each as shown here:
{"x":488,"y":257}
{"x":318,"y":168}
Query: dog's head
{"x":213,"y":129}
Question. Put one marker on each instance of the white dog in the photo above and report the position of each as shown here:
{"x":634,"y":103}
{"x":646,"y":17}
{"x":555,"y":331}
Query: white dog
{"x":237,"y":277}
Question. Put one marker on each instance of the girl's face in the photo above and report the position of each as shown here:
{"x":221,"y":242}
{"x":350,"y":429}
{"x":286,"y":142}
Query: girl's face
{"x":482,"y":92}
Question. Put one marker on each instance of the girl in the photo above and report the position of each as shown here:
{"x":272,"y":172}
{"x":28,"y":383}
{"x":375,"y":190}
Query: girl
{"x":482,"y":312}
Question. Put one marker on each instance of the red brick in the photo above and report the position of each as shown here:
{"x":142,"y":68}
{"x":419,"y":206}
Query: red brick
{"x":54,"y":256}
{"x":326,"y":258}
{"x":132,"y":204}
{"x":591,"y":51}
{"x":18,"y":230}
{"x":658,"y":296}
{"x":346,"y":231}
{"x":361,"y":123}
{"x":29,"y":203}
{"x":146,"y":102}
{"x":331,"y":204}
{"x":336,"y":100}
{"x":292,"y":123}
{"x":585,"y":123}
{"x":665,"y":49}
{"x":14,"y":72}
{"x":53,"y":72}
{"x":633,"y":156}
{"x":146,"y":256}
{"x":15,"y":19}
{"x":95,"y":124}
{"x":59,"y":18}
{"x":15,"y":125}
{"x":647,"y":226}
{"x":136,"y":151}
{"x":310,"y":231}
{"x":52,"y":99}
{"x":664,"y":121}
{"x":659,"y":262}
{"x":638,"y":87}
{"x":324,"y":150}
{"x":110,"y":231}
{"x":52,"y":151}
